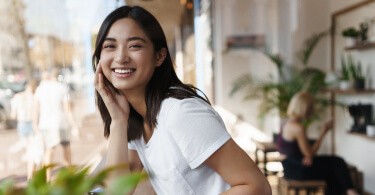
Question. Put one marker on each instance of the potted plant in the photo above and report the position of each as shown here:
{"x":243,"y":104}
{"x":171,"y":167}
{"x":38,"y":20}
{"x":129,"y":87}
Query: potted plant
{"x":276,"y":94}
{"x":350,"y":34}
{"x":356,"y":74}
{"x":344,"y":83}
{"x":363,"y":31}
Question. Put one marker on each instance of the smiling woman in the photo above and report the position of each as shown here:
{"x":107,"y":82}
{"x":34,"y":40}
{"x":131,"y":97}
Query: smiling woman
{"x":127,"y":58}
{"x":155,"y":122}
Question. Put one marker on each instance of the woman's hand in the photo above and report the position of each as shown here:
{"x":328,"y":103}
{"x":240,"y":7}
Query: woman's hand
{"x":116,"y":102}
{"x":307,"y":161}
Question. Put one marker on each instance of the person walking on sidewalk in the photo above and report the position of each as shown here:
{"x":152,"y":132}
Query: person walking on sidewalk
{"x":53,"y":116}
{"x":22,"y":112}
{"x":172,"y":131}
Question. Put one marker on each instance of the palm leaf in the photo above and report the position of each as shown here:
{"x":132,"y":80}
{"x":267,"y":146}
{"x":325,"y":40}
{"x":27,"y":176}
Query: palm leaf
{"x":309,"y":46}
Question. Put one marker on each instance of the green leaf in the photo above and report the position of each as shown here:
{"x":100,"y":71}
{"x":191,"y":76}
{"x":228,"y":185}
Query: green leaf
{"x":309,"y":46}
{"x":72,"y":180}
{"x":38,"y":183}
{"x":350,"y":32}
{"x":126,"y":183}
{"x":6,"y":186}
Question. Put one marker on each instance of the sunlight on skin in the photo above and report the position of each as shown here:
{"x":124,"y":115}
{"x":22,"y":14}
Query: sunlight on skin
{"x":241,"y":131}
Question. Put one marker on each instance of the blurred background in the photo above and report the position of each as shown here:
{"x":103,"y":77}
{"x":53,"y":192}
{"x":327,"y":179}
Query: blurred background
{"x":213,"y":43}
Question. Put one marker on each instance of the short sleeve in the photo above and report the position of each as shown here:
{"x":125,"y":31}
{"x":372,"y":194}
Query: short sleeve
{"x":131,"y":145}
{"x":197,"y":129}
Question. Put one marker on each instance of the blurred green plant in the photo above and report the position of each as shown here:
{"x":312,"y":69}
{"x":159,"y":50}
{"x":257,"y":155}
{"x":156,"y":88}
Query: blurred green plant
{"x":276,"y":93}
{"x":350,"y":32}
{"x":351,"y":69}
{"x":345,"y":73}
{"x":309,"y":46}
{"x":73,"y":180}
{"x":355,"y":69}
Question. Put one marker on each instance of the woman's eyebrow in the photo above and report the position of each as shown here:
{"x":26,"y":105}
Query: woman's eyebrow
{"x":136,"y":38}
{"x":109,"y":39}
{"x":128,"y":39}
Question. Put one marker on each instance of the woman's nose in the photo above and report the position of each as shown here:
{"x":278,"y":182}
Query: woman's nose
{"x":121,"y":57}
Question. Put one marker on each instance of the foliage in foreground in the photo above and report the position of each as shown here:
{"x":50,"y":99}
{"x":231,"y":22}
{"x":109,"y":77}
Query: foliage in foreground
{"x":72,"y":180}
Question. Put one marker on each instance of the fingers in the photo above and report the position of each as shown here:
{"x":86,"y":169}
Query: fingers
{"x":98,"y":72}
{"x":99,"y":82}
{"x":307,"y":161}
{"x":114,"y":100}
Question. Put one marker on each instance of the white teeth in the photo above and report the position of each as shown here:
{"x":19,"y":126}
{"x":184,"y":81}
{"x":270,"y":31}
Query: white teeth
{"x":124,"y":71}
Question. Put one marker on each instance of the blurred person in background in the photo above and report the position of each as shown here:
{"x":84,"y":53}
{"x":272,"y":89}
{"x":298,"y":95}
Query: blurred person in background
{"x":302,"y":161}
{"x":22,"y":112}
{"x":53,"y":116}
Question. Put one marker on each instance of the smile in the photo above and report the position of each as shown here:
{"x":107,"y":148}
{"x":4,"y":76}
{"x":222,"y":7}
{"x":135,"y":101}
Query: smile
{"x":124,"y":71}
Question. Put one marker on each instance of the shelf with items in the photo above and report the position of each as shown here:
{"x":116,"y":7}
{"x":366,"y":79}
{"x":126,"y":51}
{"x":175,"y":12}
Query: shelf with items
{"x":364,"y":135}
{"x":362,"y":46}
{"x":353,"y":91}
{"x":342,"y":20}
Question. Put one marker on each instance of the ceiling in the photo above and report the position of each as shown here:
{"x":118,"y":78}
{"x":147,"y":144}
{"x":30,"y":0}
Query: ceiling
{"x":168,"y":12}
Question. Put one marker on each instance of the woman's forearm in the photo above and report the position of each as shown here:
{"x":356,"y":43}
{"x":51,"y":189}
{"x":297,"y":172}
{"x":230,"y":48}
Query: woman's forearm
{"x":318,"y":142}
{"x":247,"y":189}
{"x":117,"y":152}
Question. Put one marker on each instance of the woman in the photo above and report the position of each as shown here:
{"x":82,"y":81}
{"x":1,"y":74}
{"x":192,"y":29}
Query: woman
{"x":173,"y":133}
{"x":301,"y":161}
{"x":22,"y":111}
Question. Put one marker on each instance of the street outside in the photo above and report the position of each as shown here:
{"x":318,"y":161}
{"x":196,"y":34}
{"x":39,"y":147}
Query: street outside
{"x":87,"y":144}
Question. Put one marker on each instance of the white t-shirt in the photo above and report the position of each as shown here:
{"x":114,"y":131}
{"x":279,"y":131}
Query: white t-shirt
{"x":51,"y":96}
{"x":22,"y":103}
{"x":188,"y":132}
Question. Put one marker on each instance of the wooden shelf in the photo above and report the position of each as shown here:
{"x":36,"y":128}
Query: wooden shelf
{"x":353,"y":91}
{"x":362,"y":46}
{"x":362,"y":135}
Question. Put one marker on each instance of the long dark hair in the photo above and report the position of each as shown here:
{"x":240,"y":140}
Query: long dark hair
{"x":164,"y":82}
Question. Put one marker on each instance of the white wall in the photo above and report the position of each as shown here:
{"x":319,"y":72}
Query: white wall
{"x":249,"y":17}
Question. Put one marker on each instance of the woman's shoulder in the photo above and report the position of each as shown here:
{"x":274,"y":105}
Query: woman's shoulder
{"x":184,"y":104}
{"x":176,"y":109}
{"x":293,"y":129}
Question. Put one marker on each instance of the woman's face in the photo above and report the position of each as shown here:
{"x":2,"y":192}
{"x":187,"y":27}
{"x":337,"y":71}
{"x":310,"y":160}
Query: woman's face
{"x":127,"y":58}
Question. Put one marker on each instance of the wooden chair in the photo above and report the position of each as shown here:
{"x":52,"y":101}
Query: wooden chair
{"x":287,"y":186}
{"x":357,"y":178}
{"x":265,"y":148}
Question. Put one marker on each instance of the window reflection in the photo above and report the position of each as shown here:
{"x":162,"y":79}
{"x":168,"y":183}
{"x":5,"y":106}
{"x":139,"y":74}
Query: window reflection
{"x":44,"y":35}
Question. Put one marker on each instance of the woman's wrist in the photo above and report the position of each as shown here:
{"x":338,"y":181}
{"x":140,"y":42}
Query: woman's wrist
{"x":119,"y":122}
{"x":118,"y":126}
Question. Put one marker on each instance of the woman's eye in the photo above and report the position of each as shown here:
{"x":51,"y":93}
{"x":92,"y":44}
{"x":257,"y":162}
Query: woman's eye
{"x":135,"y":46}
{"x":108,"y":46}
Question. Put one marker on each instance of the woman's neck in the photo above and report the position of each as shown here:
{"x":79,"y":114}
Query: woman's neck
{"x":295,"y":119}
{"x":137,"y":100}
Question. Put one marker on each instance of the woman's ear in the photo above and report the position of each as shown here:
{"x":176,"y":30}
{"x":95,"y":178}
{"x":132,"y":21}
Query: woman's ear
{"x":160,"y":56}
